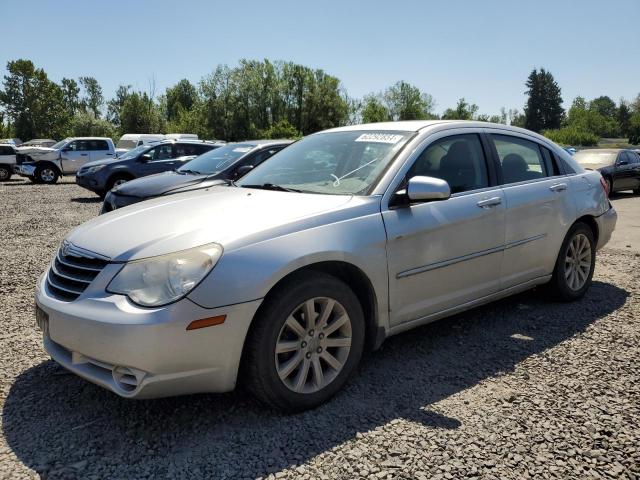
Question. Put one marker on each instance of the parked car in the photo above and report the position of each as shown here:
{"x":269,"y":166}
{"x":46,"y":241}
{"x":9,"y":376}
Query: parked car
{"x":39,"y":142}
{"x":7,"y":161}
{"x":181,"y":136}
{"x":619,"y":168}
{"x":339,"y":241}
{"x":129,"y":141}
{"x":102,"y":176}
{"x":229,"y":162}
{"x":13,"y":141}
{"x":46,"y":165}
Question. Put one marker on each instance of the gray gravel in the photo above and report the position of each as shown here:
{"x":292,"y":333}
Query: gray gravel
{"x":519,"y":389}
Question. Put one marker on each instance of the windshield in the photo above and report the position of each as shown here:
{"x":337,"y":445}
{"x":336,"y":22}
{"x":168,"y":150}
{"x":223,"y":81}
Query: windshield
{"x":135,"y":152}
{"x":60,"y":144}
{"x":342,"y":163}
{"x":586,"y":157}
{"x":128,"y":144}
{"x":218,"y":159}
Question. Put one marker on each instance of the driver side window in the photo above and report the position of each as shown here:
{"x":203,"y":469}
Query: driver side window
{"x":161,"y":152}
{"x":458,"y":159}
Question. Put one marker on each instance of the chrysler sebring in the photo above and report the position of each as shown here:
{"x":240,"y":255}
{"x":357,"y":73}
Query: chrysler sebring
{"x":281,"y":280}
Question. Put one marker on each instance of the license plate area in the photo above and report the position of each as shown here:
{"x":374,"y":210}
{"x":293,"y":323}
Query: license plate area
{"x":42,"y":320}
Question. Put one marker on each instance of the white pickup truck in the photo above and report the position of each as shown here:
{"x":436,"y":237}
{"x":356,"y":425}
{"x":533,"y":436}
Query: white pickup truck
{"x":7,"y":161}
{"x":46,"y":165}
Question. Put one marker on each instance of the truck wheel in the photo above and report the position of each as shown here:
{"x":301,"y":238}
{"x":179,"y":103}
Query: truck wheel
{"x":46,"y":174}
{"x":5,"y":173}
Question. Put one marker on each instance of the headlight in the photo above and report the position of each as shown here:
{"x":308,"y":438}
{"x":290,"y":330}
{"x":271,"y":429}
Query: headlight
{"x":94,"y":169}
{"x":157,"y":281}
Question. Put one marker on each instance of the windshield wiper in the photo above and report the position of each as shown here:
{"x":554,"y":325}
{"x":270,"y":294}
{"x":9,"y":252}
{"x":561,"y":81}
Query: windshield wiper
{"x":186,"y":170}
{"x":273,"y":186}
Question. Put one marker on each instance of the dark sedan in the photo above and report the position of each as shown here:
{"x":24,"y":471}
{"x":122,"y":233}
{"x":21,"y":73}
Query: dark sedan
{"x":619,"y":168}
{"x":102,"y":175}
{"x":229,"y":162}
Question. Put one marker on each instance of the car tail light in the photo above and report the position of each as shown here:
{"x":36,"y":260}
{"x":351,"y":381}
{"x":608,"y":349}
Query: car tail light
{"x":605,"y":186}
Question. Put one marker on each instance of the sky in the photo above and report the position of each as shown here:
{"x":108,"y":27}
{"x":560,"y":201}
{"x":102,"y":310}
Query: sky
{"x":482,"y":51}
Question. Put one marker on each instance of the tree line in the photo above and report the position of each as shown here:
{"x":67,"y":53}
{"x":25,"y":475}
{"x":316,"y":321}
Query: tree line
{"x":275,"y":99}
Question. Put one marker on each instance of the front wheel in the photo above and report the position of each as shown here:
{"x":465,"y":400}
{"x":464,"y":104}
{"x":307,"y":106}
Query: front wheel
{"x":46,"y":174}
{"x":5,"y":173}
{"x":305,"y":343}
{"x":575,"y":264}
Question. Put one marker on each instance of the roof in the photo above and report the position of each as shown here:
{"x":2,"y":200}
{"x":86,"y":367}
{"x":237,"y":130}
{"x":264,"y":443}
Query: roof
{"x":417,"y":125}
{"x":264,"y":141}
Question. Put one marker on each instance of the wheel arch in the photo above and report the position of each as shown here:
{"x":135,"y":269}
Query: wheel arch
{"x":590,"y":221}
{"x":49,"y":163}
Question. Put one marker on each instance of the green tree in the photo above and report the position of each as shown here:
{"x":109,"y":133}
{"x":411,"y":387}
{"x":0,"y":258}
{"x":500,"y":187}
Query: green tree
{"x":543,"y":109}
{"x":374,"y":110}
{"x":463,"y":111}
{"x":604,"y":106}
{"x":92,"y":99}
{"x":583,"y":117}
{"x":623,"y":116}
{"x":114,"y":106}
{"x":70,"y":95}
{"x":183,"y":95}
{"x":406,"y":102}
{"x":282,"y":129}
{"x":139,"y":114}
{"x":33,"y":103}
{"x":85,"y":124}
{"x":634,"y":129}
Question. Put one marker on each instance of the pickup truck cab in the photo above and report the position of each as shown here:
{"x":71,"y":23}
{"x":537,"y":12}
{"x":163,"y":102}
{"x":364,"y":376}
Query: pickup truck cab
{"x":7,"y":161}
{"x":46,"y":165}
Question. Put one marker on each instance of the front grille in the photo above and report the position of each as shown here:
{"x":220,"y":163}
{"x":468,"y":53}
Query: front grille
{"x":71,"y":272}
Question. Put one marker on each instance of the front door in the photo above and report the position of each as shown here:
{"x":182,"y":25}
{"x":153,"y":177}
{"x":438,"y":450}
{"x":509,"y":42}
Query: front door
{"x":161,"y":158}
{"x":74,"y":155}
{"x":443,"y":254}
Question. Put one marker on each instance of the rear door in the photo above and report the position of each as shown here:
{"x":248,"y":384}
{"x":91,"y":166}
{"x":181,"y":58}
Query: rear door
{"x":75,"y":155}
{"x":539,"y":208}
{"x":624,"y":174}
{"x":100,"y":150}
{"x":443,"y":254}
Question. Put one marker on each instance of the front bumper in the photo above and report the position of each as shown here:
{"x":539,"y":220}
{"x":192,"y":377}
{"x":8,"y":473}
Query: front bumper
{"x":144,"y":352}
{"x":606,"y":224}
{"x":90,"y":182}
{"x":25,"y":170}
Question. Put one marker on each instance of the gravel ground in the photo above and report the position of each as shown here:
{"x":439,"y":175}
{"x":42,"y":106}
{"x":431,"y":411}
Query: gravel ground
{"x":519,"y":389}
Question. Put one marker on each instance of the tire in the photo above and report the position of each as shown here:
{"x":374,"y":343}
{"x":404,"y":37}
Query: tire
{"x":46,"y":174}
{"x":5,"y":173}
{"x":565,"y":285}
{"x":116,"y":180}
{"x":289,"y":380}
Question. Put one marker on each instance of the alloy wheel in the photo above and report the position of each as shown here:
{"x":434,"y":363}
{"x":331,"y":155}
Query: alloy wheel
{"x":119,"y":182}
{"x":313,"y":345}
{"x":577,"y":262}
{"x":4,"y":174}
{"x":47,"y":175}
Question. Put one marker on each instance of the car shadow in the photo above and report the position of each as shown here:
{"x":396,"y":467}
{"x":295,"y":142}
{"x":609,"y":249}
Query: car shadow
{"x":86,"y":200}
{"x":61,"y":425}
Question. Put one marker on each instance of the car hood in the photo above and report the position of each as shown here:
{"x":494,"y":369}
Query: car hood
{"x":230,"y":216}
{"x":34,"y":150}
{"x":105,"y":161}
{"x":155,"y":185}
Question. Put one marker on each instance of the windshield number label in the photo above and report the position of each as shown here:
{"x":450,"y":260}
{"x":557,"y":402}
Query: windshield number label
{"x":379,"y":138}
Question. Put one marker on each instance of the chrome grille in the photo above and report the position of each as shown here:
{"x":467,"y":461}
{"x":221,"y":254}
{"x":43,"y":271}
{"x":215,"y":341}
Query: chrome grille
{"x":72,"y":271}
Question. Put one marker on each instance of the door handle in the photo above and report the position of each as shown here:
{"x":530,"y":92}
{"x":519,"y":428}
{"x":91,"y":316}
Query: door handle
{"x":558,"y":187}
{"x":84,"y":154}
{"x":489,"y":202}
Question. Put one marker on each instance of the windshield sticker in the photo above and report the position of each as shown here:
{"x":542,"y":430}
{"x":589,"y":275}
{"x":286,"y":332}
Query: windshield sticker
{"x":242,"y":149}
{"x":379,"y":138}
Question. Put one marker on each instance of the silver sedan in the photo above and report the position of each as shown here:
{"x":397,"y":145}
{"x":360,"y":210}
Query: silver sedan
{"x":339,"y":241}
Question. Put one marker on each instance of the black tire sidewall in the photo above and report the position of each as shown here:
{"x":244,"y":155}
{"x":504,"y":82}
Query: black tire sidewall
{"x":562,"y":290}
{"x":273,"y":316}
{"x":39,"y":179}
{"x":8,"y":174}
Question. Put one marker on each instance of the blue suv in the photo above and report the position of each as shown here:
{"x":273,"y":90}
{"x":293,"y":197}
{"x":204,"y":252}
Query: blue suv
{"x":102,"y":175}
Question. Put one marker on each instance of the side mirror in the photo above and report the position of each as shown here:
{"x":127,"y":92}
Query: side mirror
{"x":424,"y":189}
{"x":622,"y":162}
{"x":145,"y":158}
{"x":242,"y":171}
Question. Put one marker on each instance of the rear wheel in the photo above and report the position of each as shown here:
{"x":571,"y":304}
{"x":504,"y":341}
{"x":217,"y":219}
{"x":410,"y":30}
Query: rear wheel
{"x":575,"y":264}
{"x":46,"y":174}
{"x":306,"y":342}
{"x":5,"y":173}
